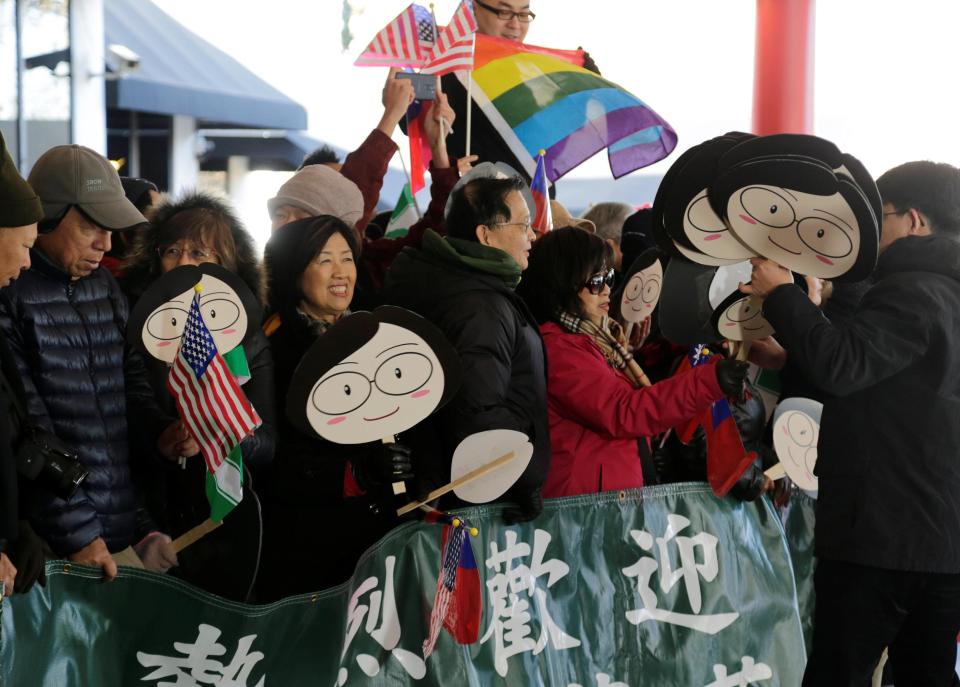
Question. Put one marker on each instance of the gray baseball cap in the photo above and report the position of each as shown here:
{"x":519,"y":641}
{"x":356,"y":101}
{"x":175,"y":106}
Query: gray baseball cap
{"x":74,"y":175}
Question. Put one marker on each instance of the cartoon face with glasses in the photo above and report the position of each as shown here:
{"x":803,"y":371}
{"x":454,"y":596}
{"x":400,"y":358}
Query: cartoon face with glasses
{"x":796,"y":431}
{"x":226,"y":304}
{"x":641,"y":293}
{"x":371,"y":376}
{"x":801,"y":203}
{"x":740,"y":318}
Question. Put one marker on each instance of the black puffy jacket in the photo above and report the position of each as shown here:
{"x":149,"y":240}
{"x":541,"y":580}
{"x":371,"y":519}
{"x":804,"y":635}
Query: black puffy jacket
{"x":68,"y":340}
{"x":504,"y":363}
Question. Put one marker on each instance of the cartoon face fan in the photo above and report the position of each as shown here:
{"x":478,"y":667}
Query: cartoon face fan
{"x":229,"y":309}
{"x":800,"y":202}
{"x":637,"y":298}
{"x":371,"y":376}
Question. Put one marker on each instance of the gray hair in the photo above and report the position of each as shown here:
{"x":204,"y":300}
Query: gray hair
{"x":609,"y":218}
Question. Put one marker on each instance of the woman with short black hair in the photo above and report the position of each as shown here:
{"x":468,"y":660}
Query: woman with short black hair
{"x":598,"y":406}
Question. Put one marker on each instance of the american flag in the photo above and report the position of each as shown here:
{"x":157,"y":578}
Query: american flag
{"x":457,"y":604}
{"x":404,"y":42}
{"x":455,"y":42}
{"x":211,"y":403}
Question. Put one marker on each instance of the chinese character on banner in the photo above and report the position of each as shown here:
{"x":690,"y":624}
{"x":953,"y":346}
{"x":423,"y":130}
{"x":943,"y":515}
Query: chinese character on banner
{"x":689,"y":571}
{"x":603,"y":680}
{"x":380,"y":607}
{"x":750,"y":672}
{"x":510,"y":590}
{"x":197,"y":666}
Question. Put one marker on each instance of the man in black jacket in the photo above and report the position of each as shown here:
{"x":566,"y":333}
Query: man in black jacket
{"x":465,"y":285}
{"x":888,"y":512}
{"x":19,"y":213}
{"x":64,"y":320}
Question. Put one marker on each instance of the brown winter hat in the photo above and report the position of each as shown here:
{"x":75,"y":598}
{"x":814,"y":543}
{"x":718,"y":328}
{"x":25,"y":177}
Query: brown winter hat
{"x":74,"y":175}
{"x":320,"y":190}
{"x":563,"y":218}
{"x":19,"y":205}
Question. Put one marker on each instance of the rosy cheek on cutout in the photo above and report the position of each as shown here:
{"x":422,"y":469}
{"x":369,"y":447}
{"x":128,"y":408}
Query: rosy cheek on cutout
{"x":712,"y":237}
{"x":420,"y":394}
{"x":161,"y":344}
{"x":748,"y":220}
{"x":824,"y":260}
{"x":229,"y":331}
{"x":337,"y":420}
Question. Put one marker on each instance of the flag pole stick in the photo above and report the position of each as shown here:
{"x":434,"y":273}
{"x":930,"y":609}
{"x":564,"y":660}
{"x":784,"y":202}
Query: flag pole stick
{"x":450,"y":486}
{"x":466,"y":152}
{"x":193,"y":535}
{"x":406,"y":172}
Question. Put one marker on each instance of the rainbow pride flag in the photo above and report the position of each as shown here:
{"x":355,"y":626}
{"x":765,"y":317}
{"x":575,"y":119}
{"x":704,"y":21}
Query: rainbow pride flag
{"x":540,"y":98}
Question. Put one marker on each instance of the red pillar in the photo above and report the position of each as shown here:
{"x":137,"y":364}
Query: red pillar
{"x":783,"y":73}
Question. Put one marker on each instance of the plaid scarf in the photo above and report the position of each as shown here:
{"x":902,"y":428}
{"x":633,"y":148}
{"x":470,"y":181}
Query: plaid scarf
{"x":611,"y":341}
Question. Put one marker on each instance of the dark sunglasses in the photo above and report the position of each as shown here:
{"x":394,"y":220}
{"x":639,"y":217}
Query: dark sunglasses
{"x":596,"y":283}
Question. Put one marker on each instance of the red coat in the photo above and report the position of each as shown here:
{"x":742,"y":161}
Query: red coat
{"x":596,"y":415}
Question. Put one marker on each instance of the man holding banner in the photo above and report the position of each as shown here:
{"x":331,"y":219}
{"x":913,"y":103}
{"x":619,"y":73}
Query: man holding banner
{"x":888,"y":510}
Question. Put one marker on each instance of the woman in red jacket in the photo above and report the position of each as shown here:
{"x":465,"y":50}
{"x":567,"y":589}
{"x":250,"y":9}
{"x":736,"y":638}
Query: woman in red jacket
{"x":597,"y":406}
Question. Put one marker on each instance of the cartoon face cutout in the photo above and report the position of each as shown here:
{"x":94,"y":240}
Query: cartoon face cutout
{"x":796,"y":431}
{"x":807,"y":233}
{"x":708,"y":233}
{"x":740,"y":318}
{"x":642,"y":293}
{"x":387,"y":386}
{"x":372,"y":376}
{"x":221,"y":310}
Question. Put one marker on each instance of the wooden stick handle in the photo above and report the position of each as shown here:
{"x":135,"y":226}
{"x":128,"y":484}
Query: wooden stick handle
{"x":744,"y":350}
{"x":192,"y":535}
{"x":450,"y":486}
{"x":776,"y":472}
{"x":398,"y":487}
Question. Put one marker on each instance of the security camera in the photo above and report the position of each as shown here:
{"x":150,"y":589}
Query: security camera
{"x":121,"y":59}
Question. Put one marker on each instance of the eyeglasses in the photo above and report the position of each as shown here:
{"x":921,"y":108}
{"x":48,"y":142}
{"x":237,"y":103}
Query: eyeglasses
{"x":596,"y":283}
{"x":527,"y":226}
{"x":174,"y":253}
{"x":523,"y":16}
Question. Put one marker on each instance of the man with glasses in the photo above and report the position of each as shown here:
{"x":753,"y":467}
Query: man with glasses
{"x":64,"y":320}
{"x":465,"y":284}
{"x":888,"y":507}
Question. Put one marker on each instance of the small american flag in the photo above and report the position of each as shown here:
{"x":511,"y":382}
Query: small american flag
{"x":455,"y":43}
{"x":457,"y":604}
{"x":211,"y":403}
{"x":404,"y":42}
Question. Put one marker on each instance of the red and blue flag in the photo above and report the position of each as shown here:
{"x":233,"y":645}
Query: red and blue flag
{"x":458,"y":603}
{"x":543,"y":218}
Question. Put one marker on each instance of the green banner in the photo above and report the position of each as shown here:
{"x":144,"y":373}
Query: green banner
{"x":660,"y":586}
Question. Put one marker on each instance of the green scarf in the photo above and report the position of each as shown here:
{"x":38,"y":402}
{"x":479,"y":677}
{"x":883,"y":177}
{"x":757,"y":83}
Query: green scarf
{"x":473,"y":255}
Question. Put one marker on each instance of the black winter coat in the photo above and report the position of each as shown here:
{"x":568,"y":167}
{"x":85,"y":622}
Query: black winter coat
{"x":11,"y":394}
{"x":889,"y":492}
{"x":226,"y":560}
{"x":314,"y":532}
{"x":504,"y":362}
{"x":68,"y":340}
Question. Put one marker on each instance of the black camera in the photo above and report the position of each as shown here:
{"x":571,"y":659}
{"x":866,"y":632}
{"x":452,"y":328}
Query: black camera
{"x":51,"y":464}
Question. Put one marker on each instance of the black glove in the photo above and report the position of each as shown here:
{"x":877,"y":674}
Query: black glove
{"x":525,"y":507}
{"x":731,"y":375}
{"x":588,"y":62}
{"x":750,"y":485}
{"x":26,"y":554}
{"x":386,"y":464}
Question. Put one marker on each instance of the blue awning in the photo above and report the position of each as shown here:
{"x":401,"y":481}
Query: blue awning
{"x":182,"y":74}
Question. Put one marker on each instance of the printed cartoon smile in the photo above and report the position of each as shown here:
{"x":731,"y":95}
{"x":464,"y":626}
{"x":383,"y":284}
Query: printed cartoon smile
{"x":374,"y":419}
{"x":783,"y":247}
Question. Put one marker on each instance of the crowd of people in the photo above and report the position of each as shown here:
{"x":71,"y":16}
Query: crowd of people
{"x":96,"y":467}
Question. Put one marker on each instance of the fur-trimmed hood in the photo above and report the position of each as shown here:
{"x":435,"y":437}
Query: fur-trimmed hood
{"x":142,"y":266}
